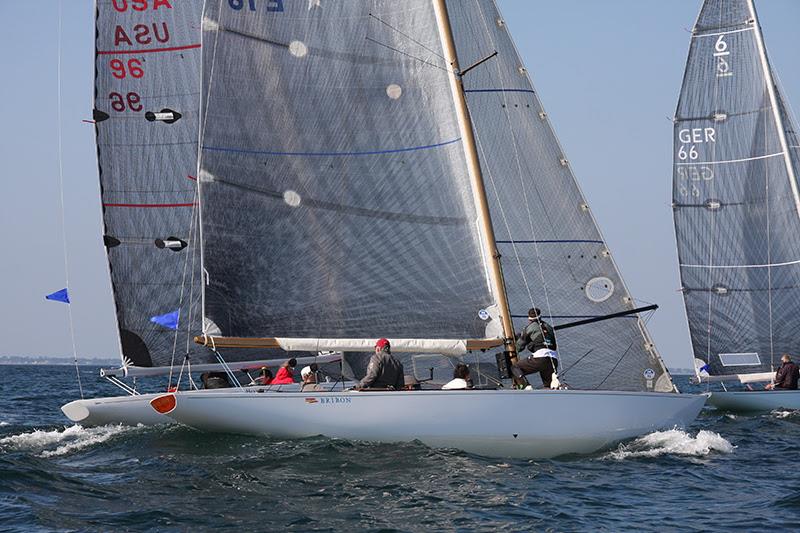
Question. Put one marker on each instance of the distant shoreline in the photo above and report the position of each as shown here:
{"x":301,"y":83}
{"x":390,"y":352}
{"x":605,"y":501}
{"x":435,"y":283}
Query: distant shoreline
{"x":56,"y":360}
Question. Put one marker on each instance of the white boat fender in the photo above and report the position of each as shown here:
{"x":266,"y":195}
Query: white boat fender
{"x":554,"y":382}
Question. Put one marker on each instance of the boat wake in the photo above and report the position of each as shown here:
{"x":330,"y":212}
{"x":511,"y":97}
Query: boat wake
{"x":60,"y":442}
{"x":673,"y":442}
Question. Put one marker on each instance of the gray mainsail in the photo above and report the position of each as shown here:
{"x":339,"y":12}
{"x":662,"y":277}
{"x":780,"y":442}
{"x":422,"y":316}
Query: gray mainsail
{"x":553,"y":254}
{"x":335,"y":199}
{"x":147,"y":83}
{"x":735,"y":197}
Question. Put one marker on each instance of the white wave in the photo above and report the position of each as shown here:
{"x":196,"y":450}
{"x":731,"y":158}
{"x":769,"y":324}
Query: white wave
{"x":673,"y":442}
{"x":4,"y":423}
{"x":780,"y":413}
{"x":66,"y":441}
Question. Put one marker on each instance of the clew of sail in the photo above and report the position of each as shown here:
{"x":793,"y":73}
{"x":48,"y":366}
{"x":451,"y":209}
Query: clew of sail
{"x":735,"y":197}
{"x":336,"y":202}
{"x":147,"y":84}
{"x":552,"y":252}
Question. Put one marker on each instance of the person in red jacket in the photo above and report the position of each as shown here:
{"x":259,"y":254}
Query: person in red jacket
{"x":285,"y":374}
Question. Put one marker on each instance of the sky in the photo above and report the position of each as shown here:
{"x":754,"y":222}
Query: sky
{"x":608,"y":73}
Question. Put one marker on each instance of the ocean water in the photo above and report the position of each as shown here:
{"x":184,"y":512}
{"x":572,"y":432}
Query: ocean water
{"x":724,"y":472}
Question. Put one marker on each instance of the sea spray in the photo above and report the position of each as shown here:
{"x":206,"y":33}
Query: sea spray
{"x":673,"y":442}
{"x":67,"y":440}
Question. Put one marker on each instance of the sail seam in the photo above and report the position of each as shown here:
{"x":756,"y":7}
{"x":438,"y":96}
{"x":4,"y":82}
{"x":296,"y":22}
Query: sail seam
{"x":551,"y":241}
{"x":721,"y":33}
{"x":531,"y":91}
{"x":149,"y":205}
{"x":731,"y":160}
{"x":149,"y":50}
{"x":331,"y":154}
{"x":766,"y":265}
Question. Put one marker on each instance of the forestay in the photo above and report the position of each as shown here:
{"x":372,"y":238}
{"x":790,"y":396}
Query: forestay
{"x":147,"y":82}
{"x":335,"y":197}
{"x":553,"y":255}
{"x":735,"y":197}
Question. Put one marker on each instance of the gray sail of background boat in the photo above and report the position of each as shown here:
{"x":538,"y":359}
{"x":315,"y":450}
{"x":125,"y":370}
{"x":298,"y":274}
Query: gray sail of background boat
{"x":735,"y":199}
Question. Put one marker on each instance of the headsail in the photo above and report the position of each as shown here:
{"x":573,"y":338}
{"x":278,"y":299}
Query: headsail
{"x":335,"y":198}
{"x":553,"y":254}
{"x":735,"y":197}
{"x":147,"y":82}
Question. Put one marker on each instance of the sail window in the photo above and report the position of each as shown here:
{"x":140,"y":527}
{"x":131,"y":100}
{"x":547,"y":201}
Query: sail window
{"x":740,"y":359}
{"x":394,"y":91}
{"x":291,"y":198}
{"x":298,"y":49}
{"x":599,"y":289}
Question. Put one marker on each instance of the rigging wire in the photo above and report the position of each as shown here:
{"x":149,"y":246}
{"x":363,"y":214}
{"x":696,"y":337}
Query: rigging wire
{"x":183,"y":290}
{"x":61,"y":203}
{"x":524,"y":192}
{"x":409,"y":37}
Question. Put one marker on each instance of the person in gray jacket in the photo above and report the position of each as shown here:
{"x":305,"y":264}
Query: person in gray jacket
{"x":384,"y":371}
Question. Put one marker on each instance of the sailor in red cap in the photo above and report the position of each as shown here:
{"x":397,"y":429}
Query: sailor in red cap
{"x":384,"y":371}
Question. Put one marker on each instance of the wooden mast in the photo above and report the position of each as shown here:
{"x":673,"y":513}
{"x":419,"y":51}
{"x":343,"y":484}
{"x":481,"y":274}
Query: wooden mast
{"x":474,"y":168}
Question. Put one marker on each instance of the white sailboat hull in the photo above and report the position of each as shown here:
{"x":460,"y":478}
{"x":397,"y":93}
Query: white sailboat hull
{"x":755,"y":401}
{"x":130,"y":410}
{"x":127,"y":410}
{"x":519,"y":424}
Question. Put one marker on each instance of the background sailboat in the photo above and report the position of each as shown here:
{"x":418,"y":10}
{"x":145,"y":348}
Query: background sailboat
{"x":737,"y":206}
{"x":339,"y":204}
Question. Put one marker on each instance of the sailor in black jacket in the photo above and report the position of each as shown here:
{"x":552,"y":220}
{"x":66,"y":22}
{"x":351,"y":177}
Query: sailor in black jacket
{"x":539,"y":338}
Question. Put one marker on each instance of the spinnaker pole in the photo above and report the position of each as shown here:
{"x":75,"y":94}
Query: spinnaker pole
{"x":476,"y":177}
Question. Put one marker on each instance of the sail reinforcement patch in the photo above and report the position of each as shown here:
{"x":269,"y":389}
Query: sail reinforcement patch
{"x":599,"y":289}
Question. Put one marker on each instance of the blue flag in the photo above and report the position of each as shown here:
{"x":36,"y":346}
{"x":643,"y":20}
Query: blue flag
{"x":704,"y":368}
{"x":169,"y":321}
{"x":59,"y":296}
